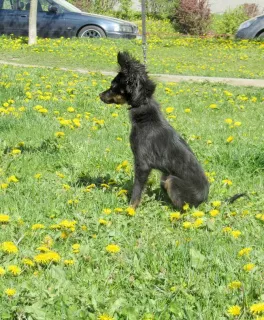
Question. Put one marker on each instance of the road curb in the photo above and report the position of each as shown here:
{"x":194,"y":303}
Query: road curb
{"x":160,"y":77}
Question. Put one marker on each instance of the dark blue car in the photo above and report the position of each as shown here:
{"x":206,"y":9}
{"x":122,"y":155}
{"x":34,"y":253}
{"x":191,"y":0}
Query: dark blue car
{"x":59,"y":18}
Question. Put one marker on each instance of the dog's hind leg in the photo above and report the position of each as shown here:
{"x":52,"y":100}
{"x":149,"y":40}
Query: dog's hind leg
{"x":163,"y":179}
{"x":168,"y":183}
{"x":181,"y":192}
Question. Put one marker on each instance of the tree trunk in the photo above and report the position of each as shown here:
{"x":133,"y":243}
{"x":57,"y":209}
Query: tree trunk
{"x":32,"y":29}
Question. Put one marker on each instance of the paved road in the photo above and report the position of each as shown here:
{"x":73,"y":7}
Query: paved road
{"x":165,"y":77}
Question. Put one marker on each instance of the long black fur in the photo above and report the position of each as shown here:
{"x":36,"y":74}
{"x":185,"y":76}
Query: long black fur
{"x":155,"y":144}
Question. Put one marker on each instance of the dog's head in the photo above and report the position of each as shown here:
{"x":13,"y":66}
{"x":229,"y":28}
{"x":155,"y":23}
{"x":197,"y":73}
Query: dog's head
{"x":131,"y":85}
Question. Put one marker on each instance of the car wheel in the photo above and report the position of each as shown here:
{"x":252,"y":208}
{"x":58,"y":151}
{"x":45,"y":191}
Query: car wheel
{"x":261,"y":36}
{"x":91,"y":32}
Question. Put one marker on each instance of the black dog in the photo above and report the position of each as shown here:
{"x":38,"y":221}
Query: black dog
{"x":155,"y":144}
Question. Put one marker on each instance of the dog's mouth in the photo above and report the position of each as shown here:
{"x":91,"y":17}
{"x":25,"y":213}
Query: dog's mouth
{"x":109,"y":98}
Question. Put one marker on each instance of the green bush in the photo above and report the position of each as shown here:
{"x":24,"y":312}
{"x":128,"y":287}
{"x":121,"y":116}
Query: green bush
{"x":229,"y":22}
{"x":161,"y":8}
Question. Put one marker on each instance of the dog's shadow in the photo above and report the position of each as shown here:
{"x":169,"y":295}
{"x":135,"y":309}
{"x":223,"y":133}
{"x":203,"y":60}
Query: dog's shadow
{"x":103,"y":182}
{"x":107,"y":184}
{"x":47,"y":145}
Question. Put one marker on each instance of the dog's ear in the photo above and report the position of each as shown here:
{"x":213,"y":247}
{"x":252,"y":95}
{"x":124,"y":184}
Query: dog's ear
{"x":123,"y":59}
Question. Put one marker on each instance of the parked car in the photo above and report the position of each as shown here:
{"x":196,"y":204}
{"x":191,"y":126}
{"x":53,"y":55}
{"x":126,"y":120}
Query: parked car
{"x":59,"y":18}
{"x":253,"y":28}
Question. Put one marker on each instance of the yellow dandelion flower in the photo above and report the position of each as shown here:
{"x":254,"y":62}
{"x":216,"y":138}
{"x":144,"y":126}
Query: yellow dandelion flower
{"x":60,"y":175}
{"x":122,"y":192}
{"x":229,"y":139}
{"x":66,"y":187}
{"x":213,"y":106}
{"x":235,"y":285}
{"x":8,"y":247}
{"x":112,"y":248}
{"x":76,"y":248}
{"x":10,"y":292}
{"x":198,"y":214}
{"x":12,"y":179}
{"x":257,"y":308}
{"x":43,"y":249}
{"x":236,"y":233}
{"x":174,"y":216}
{"x":47,"y":257}
{"x":234,"y":310}
{"x":105,"y":317}
{"x":70,"y":109}
{"x":187,"y":110}
{"x":77,"y":122}
{"x":198,"y":222}
{"x":227,"y":229}
{"x":169,"y":110}
{"x":103,"y":221}
{"x":186,"y":207}
{"x":4,"y":185}
{"x":227,"y":182}
{"x":4,"y":218}
{"x":130,"y":211}
{"x":2,"y":271}
{"x":37,"y":226}
{"x":216,"y":203}
{"x":15,"y":152}
{"x":64,"y":235}
{"x":248,"y":267}
{"x":68,"y":262}
{"x":118,"y":210}
{"x":244,"y":252}
{"x":107,"y":211}
{"x":43,"y":110}
{"x":228,"y":121}
{"x":237,"y":124}
{"x":214,"y":212}
{"x":59,"y":134}
{"x":15,"y":270}
{"x":187,"y":225}
{"x":68,"y":224}
{"x":28,"y":262}
{"x":73,"y":202}
{"x":38,"y":176}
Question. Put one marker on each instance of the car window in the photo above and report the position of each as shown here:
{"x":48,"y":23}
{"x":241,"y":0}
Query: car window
{"x":6,"y":5}
{"x":42,"y":6}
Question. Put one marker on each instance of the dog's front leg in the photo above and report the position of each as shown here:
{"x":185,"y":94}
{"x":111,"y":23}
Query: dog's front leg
{"x":141,"y":176}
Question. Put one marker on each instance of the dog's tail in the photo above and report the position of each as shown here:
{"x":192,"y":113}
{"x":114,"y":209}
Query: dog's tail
{"x":235,"y":197}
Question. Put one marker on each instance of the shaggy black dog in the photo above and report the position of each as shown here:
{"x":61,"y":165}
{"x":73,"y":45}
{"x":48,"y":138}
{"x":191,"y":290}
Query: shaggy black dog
{"x":155,"y":144}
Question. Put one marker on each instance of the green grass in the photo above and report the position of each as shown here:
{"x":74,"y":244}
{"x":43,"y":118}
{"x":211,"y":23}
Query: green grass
{"x":182,"y":55}
{"x":163,"y":271}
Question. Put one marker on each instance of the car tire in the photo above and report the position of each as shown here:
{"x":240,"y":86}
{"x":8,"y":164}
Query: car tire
{"x":91,"y":32}
{"x":261,"y":36}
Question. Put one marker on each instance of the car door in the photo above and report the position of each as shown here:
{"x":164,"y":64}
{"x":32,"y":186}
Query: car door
{"x":8,"y":17}
{"x":51,"y":24}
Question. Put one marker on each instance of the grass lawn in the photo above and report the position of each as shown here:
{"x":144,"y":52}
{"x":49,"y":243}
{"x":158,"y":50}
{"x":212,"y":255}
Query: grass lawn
{"x":65,"y":176}
{"x":182,"y":55}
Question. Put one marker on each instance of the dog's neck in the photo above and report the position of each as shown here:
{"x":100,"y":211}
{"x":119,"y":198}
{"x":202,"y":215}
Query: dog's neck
{"x":148,"y":111}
